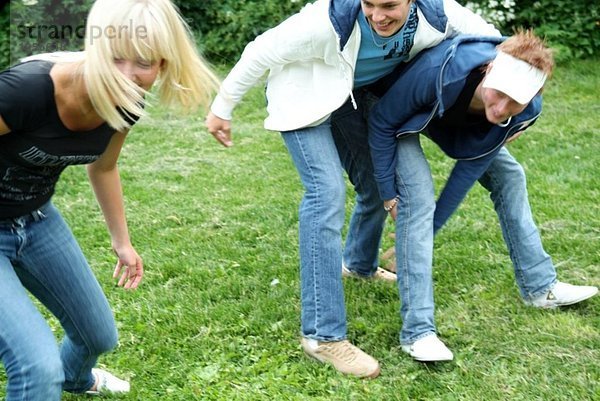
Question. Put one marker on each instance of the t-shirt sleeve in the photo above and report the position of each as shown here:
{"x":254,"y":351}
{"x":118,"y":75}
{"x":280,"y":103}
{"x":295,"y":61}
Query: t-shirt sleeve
{"x":23,"y":97}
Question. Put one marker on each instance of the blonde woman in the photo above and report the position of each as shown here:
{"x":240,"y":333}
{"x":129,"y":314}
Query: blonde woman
{"x":61,"y":110}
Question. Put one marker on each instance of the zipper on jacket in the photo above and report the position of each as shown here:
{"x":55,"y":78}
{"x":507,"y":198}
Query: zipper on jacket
{"x":433,"y":112}
{"x":343,"y":66}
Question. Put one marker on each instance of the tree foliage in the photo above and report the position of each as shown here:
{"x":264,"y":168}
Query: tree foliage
{"x":222,"y":28}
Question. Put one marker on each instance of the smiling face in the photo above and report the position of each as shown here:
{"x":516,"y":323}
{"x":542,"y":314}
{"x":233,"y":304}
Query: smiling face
{"x":386,"y":17}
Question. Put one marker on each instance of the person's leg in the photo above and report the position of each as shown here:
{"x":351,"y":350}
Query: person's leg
{"x":414,"y":253}
{"x":534,"y":271}
{"x":506,"y":182}
{"x":53,"y":268}
{"x":321,"y":218}
{"x":414,"y":240}
{"x":350,"y":133}
{"x":28,"y":348}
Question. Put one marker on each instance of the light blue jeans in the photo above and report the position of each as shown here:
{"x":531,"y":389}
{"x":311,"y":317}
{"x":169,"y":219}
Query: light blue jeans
{"x":349,"y":127}
{"x":505,"y":179}
{"x":321,"y":218}
{"x":322,"y":215}
{"x":39,"y":254}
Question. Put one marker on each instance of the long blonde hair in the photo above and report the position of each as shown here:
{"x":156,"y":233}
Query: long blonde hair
{"x":151,"y":30}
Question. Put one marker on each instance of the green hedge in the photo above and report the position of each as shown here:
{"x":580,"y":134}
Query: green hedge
{"x":4,"y":35}
{"x":572,"y":27}
{"x":224,"y":27}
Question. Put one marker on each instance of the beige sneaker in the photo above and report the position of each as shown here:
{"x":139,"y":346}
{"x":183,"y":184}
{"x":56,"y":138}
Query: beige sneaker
{"x":380,"y":274}
{"x":345,"y":357}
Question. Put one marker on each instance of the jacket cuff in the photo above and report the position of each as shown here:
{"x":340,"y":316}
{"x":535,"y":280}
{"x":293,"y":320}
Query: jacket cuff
{"x":387,"y":190}
{"x":222,"y":108}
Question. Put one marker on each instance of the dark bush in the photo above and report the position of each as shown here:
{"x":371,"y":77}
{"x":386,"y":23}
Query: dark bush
{"x":572,"y":27}
{"x":42,"y":26}
{"x":224,"y":27}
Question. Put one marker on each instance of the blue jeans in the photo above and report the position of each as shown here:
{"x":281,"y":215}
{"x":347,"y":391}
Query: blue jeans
{"x":38,"y":253}
{"x":350,"y":133}
{"x":505,"y":180}
{"x":321,"y":215}
{"x":414,"y":240}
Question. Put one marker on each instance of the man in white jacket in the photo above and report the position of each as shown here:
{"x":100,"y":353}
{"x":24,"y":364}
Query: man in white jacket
{"x":315,"y":59}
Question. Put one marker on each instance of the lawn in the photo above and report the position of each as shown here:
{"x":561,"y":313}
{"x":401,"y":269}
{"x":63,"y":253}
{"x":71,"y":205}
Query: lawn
{"x":217,"y":316}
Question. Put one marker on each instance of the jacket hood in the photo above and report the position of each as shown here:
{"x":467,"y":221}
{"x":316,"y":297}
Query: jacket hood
{"x":457,"y":58}
{"x":462,"y":55}
{"x":343,"y":15}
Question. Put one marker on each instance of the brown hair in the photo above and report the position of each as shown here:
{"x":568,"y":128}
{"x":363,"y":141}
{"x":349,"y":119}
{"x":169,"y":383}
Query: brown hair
{"x":526,"y":46}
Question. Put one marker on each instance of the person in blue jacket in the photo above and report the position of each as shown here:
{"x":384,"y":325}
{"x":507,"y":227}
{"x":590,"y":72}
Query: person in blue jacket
{"x":470,"y":95}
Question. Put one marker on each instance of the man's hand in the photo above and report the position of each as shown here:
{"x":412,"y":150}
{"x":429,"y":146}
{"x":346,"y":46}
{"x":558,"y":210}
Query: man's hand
{"x":219,"y":128}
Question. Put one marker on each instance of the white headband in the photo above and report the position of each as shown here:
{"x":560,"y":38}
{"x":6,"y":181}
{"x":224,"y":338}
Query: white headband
{"x":516,"y":78}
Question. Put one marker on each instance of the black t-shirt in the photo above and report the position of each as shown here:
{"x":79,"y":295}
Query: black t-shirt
{"x":458,"y":116}
{"x":39,"y":146}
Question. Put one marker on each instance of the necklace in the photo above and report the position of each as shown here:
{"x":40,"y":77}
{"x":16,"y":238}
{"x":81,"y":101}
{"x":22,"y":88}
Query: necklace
{"x":380,"y":45}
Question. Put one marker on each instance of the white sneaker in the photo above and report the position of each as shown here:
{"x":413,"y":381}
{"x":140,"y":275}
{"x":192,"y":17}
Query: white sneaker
{"x":428,"y":349}
{"x":563,"y":294}
{"x":106,"y":383}
{"x":380,"y":274}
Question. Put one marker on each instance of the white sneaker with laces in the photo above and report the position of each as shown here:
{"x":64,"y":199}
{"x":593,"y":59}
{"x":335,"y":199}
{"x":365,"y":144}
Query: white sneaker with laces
{"x":428,"y":349}
{"x":107,"y":383}
{"x":563,"y":294}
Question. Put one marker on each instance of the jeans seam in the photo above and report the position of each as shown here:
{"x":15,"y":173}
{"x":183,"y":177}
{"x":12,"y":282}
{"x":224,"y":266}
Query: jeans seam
{"x":312,"y":243}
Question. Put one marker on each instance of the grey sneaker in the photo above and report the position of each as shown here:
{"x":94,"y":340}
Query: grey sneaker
{"x":345,"y":357}
{"x":380,"y":274}
{"x":563,"y":294}
{"x":107,"y":383}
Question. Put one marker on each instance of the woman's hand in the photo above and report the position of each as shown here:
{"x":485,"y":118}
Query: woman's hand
{"x":129,"y":266}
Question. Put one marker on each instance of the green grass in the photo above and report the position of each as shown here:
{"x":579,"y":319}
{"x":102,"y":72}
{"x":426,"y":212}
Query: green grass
{"x":217,"y":226}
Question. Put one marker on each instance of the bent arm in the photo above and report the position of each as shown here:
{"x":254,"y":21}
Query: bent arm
{"x":300,"y":37}
{"x":412,"y":93}
{"x":462,"y":178}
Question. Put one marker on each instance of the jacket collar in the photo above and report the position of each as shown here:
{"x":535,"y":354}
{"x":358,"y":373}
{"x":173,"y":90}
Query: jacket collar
{"x":343,"y":15}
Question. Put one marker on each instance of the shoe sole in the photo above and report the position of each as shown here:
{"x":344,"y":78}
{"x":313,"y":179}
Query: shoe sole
{"x":431,"y":360}
{"x":416,"y":358}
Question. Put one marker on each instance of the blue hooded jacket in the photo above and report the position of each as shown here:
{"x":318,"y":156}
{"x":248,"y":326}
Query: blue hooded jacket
{"x":427,"y":87}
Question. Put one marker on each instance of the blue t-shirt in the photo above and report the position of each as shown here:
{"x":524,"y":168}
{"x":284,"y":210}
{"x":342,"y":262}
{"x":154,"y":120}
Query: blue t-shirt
{"x":378,"y":56}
